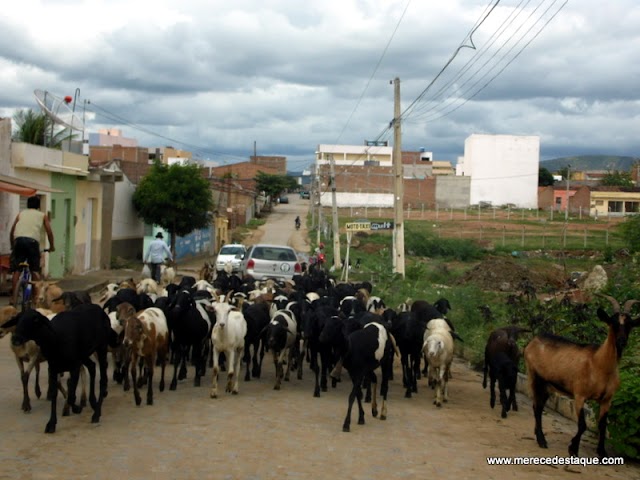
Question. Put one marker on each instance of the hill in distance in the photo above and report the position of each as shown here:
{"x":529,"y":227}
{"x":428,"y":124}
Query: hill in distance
{"x":590,"y":162}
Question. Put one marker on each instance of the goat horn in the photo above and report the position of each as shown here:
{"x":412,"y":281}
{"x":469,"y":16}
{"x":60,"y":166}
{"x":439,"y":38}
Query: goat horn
{"x":628,"y":304}
{"x":614,"y":302}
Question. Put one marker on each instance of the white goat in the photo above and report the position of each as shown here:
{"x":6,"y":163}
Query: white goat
{"x":227,"y":336}
{"x":167,"y":275}
{"x":148,"y":286}
{"x":438,"y":349}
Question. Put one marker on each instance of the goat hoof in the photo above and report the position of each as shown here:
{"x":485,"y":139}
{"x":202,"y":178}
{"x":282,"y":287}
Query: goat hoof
{"x":276,"y":387}
{"x":76,"y":409}
{"x":346,"y":428}
{"x":234,"y":392}
{"x":515,"y":407}
{"x":50,"y":428}
{"x":383,"y":417}
{"x":504,"y":415}
{"x":374,"y":413}
{"x":138,"y":401}
{"x":95,"y":418}
{"x":149,"y":401}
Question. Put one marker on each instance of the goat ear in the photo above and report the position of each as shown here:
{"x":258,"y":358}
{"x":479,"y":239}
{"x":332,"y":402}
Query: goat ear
{"x":604,"y":316}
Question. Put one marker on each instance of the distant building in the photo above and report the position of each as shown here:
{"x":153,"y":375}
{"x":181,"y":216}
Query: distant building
{"x":503,"y":169}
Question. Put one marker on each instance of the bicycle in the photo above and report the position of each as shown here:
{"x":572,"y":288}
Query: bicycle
{"x":25,"y":286}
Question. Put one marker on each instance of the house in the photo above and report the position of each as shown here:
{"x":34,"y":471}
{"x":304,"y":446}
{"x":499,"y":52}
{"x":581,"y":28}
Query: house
{"x":71,"y":197}
{"x":588,"y":199}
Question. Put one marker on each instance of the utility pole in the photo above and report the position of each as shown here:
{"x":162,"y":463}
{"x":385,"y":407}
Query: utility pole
{"x":337,"y":262}
{"x":566,"y":212}
{"x":398,"y":187}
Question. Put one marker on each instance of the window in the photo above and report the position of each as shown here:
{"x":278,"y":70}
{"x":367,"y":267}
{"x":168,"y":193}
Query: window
{"x":558,"y":201}
{"x":632,"y":207}
{"x":615,"y":207}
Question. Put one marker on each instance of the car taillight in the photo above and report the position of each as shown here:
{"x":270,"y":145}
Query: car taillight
{"x":251,"y":263}
{"x":297,"y":268}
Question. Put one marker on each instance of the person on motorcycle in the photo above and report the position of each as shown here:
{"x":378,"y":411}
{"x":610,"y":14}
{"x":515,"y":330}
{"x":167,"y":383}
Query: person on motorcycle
{"x":298,"y":223}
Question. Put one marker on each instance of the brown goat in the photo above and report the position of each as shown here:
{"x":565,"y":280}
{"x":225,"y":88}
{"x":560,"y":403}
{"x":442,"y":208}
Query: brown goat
{"x":586,"y":372}
{"x":146,"y":336}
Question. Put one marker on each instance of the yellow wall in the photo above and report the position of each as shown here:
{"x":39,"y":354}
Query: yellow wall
{"x":86,"y":190}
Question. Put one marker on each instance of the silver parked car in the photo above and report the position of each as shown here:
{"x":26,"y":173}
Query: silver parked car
{"x":231,"y":254}
{"x":270,"y":261}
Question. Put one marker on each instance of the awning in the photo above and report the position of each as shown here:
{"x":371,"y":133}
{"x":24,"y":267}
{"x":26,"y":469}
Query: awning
{"x":23,"y":187}
{"x":11,"y":188}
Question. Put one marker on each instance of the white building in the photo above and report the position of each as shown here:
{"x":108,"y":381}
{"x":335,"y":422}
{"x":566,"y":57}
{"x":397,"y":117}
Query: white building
{"x":503,"y":169}
{"x":354,"y":155}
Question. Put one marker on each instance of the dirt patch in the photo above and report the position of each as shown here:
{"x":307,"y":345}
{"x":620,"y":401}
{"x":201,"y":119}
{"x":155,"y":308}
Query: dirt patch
{"x":506,"y":274}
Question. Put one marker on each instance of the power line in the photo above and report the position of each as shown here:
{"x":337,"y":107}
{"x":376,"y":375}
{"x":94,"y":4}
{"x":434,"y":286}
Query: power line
{"x":375,"y":69}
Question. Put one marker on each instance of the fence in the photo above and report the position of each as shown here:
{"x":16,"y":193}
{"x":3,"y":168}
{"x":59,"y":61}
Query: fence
{"x":505,"y":227}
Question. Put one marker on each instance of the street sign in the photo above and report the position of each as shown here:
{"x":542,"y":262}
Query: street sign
{"x":357,"y":226}
{"x":382,"y":226}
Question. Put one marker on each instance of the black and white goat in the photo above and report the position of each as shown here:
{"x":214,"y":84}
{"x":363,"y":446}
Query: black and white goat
{"x":368,"y":348}
{"x":586,"y":372}
{"x":281,"y":334}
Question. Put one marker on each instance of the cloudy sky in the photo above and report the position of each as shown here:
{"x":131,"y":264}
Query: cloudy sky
{"x":214,"y":77}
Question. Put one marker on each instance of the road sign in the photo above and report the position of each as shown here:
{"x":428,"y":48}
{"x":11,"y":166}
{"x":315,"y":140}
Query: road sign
{"x":358,"y":226}
{"x":382,"y":226}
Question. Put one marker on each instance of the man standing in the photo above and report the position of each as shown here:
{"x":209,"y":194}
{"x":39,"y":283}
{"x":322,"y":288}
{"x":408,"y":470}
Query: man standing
{"x":25,"y":237}
{"x":156,"y":255}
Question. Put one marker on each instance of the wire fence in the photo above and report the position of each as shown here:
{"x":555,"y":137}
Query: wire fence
{"x":501,"y":227}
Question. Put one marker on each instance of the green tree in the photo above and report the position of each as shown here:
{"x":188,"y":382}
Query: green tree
{"x":617,"y":179}
{"x":564,"y":171}
{"x":175,"y":197}
{"x":273,"y":185}
{"x":630,"y":231}
{"x":545,"y":177}
{"x":38,"y":129}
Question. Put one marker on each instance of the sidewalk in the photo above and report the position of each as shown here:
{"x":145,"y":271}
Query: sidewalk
{"x":94,"y":281}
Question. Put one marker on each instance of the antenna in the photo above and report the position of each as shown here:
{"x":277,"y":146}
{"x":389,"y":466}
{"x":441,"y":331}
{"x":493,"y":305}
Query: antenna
{"x":58,"y":109}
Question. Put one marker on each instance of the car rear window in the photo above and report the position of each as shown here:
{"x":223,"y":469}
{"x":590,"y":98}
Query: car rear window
{"x":275,"y":253}
{"x":231,"y":250}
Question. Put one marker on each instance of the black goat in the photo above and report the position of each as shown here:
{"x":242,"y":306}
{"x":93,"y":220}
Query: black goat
{"x":190,"y":326}
{"x":408,"y":330}
{"x":314,"y":321}
{"x":501,"y":357}
{"x":67,"y":342}
{"x":257,"y":317}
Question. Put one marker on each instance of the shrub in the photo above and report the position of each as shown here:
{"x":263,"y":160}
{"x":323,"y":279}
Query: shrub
{"x":624,"y":426}
{"x":630,"y":232}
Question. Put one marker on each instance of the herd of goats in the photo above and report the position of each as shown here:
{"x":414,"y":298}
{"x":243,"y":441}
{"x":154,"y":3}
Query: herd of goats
{"x":223,"y":320}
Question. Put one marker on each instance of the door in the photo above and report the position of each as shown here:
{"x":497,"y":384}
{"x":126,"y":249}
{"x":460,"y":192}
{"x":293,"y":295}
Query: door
{"x":88,"y":218}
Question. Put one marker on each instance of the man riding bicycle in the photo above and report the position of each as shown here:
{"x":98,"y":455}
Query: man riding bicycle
{"x":26,"y":234}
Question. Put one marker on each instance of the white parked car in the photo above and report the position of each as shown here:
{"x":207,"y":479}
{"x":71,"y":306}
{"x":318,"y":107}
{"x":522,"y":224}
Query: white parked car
{"x":230,"y":256}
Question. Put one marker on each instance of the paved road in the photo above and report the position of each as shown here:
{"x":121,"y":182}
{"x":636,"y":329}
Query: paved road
{"x":288,"y":434}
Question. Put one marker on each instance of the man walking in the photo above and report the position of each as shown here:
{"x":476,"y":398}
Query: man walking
{"x":156,"y":255}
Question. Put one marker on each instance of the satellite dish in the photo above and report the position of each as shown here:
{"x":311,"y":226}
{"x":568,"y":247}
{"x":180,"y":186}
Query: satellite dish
{"x":58,"y":109}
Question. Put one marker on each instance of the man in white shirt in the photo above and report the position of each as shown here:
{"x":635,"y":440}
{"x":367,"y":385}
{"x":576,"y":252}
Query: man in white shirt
{"x":156,"y":255}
